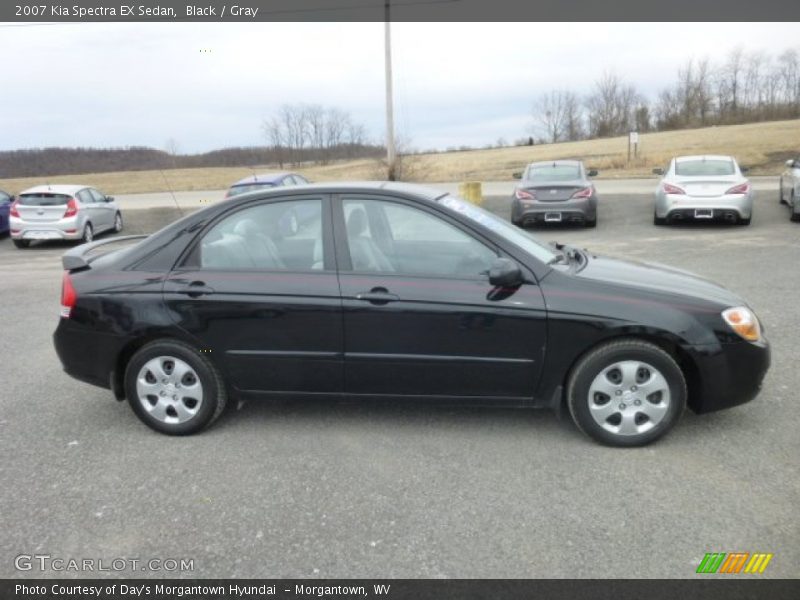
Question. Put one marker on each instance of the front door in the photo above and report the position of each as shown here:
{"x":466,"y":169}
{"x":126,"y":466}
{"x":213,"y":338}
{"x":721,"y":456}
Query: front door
{"x":420,"y":316}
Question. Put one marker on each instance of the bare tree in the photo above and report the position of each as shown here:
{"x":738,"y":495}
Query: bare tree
{"x":550,"y":113}
{"x":610,"y":108}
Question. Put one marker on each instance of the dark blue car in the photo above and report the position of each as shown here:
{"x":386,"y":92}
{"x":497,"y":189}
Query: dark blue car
{"x":5,"y":209}
{"x":265,"y":181}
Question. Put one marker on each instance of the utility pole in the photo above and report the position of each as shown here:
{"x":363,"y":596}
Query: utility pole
{"x":391,"y":155}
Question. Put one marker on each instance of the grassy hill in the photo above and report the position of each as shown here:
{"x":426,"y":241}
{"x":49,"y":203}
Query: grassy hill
{"x":761,"y":146}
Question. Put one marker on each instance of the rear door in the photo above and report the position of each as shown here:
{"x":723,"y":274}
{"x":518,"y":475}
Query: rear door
{"x":420,"y":316}
{"x":260,"y":294}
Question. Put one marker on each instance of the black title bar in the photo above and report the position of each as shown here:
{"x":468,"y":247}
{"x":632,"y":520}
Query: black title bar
{"x":37,"y":11}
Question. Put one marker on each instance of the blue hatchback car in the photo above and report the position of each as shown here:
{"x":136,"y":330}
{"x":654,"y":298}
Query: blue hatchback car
{"x":5,"y":209}
{"x":265,"y":181}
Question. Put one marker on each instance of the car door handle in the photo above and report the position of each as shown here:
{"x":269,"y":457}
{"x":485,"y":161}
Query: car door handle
{"x":377,"y":296}
{"x":195,"y":289}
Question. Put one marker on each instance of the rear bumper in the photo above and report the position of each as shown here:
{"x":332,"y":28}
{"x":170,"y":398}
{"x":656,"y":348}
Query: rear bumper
{"x":87,"y":355}
{"x":64,"y":229}
{"x":684,"y":207}
{"x":568,"y":211}
{"x":730,"y":374}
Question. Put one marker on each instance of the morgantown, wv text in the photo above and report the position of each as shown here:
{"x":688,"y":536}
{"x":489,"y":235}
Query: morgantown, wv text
{"x":194,"y":591}
{"x":135,"y":10}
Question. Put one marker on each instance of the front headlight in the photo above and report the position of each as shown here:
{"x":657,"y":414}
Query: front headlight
{"x":744,"y":322}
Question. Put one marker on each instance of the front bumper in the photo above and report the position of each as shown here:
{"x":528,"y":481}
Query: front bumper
{"x":64,"y":229}
{"x":730,"y":374}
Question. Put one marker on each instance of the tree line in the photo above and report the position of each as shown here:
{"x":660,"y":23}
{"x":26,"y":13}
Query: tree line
{"x":744,"y":87}
{"x":298,"y":134}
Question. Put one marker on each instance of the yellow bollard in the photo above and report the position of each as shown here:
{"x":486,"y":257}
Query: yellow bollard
{"x":471,"y":191}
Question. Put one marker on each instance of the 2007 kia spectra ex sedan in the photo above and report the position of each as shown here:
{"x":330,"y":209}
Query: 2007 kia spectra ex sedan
{"x":392,"y":291}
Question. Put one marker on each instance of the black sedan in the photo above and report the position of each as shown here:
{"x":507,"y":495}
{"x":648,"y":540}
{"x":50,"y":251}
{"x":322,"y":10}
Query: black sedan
{"x":399,"y":292}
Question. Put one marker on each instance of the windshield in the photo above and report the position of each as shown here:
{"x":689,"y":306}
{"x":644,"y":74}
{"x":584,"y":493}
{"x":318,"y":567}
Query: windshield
{"x":251,"y":187}
{"x":500,"y":226}
{"x":553,"y":172}
{"x":690,"y":168}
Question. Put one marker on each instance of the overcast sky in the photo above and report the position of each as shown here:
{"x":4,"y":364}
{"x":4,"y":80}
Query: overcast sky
{"x":101,"y":85}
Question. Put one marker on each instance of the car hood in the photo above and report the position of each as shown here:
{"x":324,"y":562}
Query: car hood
{"x":658,"y":278}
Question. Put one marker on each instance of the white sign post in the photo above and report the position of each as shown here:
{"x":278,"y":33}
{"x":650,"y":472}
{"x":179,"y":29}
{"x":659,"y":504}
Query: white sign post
{"x":633,"y":142}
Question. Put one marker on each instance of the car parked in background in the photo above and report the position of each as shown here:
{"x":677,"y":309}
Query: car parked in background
{"x":789,"y":188}
{"x":397,"y":292}
{"x":556,"y":191}
{"x":62,"y":212}
{"x":265,"y":181}
{"x":5,"y":209}
{"x":703,"y":188}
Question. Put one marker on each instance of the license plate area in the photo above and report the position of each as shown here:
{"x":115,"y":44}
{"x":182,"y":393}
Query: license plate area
{"x":704,"y":213}
{"x":41,"y":235}
{"x":552,"y":217}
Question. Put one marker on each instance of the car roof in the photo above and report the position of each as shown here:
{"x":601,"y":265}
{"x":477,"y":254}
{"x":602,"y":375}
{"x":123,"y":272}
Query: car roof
{"x":703,"y":157}
{"x":262,"y":178}
{"x":55,"y":189}
{"x":570,"y":162}
{"x":339,"y":187}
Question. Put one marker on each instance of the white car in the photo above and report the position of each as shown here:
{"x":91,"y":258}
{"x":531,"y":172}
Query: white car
{"x":790,"y":187}
{"x":703,"y":188}
{"x":62,"y":212}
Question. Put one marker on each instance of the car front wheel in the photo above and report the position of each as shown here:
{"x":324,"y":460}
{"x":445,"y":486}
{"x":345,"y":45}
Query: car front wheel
{"x":118,"y":223}
{"x":626,"y":393}
{"x":173,"y":389}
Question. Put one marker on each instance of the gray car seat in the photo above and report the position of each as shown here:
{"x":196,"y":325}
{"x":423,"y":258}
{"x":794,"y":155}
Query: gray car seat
{"x":364,"y":252}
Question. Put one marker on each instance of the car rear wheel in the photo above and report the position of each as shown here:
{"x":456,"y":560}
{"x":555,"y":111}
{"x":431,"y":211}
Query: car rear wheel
{"x":22,"y":243}
{"x":592,"y":223}
{"x":118,"y":223}
{"x":88,"y":234}
{"x":742,"y":221}
{"x":795,"y":217}
{"x":780,"y":193}
{"x":626,"y":393}
{"x":173,"y":389}
{"x":658,"y":220}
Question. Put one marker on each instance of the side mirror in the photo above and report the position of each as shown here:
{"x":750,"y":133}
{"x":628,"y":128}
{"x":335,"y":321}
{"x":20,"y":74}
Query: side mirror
{"x":592,"y":172}
{"x":109,"y":198}
{"x":658,"y":171}
{"x":744,"y":169}
{"x":517,"y":175}
{"x":505,"y":273}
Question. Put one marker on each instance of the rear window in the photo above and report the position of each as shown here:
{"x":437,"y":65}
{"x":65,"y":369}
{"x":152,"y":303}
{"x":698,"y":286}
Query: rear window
{"x":553,"y":173}
{"x":44,"y":199}
{"x":243,"y":189}
{"x":691,"y":168}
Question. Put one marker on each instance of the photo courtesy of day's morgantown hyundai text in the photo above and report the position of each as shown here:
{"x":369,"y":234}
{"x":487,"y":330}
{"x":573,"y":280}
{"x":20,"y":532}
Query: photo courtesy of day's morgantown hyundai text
{"x":387,"y":290}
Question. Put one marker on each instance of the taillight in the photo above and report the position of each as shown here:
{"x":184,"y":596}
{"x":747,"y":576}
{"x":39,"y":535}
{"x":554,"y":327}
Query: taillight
{"x":524,"y":195}
{"x":13,"y":210}
{"x":68,"y":296}
{"x":72,"y":208}
{"x":742,"y":188}
{"x":584,"y":193}
{"x":673,"y":189}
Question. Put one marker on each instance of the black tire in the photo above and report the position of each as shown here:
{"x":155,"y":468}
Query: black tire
{"x":780,"y":192}
{"x":592,"y":366}
{"x":795,"y":214}
{"x":742,"y":221}
{"x":22,"y":243}
{"x":118,"y":223}
{"x":590,"y":224}
{"x":658,"y":220}
{"x":214,"y":395}
{"x":88,"y":234}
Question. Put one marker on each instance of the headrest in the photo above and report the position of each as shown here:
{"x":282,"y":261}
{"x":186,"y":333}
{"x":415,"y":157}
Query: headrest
{"x":357,"y":222}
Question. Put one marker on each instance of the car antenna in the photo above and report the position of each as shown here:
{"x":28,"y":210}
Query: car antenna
{"x":169,"y":187}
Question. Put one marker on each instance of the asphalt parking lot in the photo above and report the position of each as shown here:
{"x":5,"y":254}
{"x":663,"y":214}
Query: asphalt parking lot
{"x":359,"y":490}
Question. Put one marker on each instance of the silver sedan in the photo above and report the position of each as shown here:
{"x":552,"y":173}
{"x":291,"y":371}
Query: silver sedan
{"x":703,"y":188}
{"x":790,"y":187}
